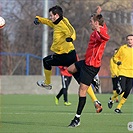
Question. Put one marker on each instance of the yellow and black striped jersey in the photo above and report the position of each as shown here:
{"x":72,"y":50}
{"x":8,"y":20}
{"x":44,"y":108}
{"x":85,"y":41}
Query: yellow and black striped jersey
{"x":113,"y":68}
{"x":125,"y":56}
{"x":61,"y":31}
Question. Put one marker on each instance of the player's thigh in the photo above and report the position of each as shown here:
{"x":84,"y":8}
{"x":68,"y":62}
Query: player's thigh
{"x":122,"y":82}
{"x":87,"y":74}
{"x":128,"y":87}
{"x":115,"y":82}
{"x":54,"y":60}
{"x":75,"y":67}
{"x":72,"y":69}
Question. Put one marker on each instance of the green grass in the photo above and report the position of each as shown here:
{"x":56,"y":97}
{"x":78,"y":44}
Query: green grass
{"x":39,"y":114}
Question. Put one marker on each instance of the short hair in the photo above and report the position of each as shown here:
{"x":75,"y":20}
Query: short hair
{"x":129,"y":35}
{"x":99,"y":18}
{"x":56,"y":10}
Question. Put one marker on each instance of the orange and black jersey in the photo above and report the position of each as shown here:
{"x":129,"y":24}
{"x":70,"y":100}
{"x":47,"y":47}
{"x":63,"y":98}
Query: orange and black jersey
{"x":96,"y":47}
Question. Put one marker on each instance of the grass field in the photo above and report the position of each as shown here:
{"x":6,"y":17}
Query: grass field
{"x":39,"y":114}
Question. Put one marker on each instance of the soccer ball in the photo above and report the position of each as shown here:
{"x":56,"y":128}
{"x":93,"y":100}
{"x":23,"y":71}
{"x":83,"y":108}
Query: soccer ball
{"x":2,"y":22}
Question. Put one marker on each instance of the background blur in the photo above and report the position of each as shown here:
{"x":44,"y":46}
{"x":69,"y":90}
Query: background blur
{"x":22,"y":40}
{"x":23,"y":44}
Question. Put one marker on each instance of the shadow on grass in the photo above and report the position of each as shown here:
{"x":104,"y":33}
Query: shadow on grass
{"x":34,"y":123}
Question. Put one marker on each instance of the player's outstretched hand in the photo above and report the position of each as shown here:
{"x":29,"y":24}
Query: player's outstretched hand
{"x":98,"y":10}
{"x":36,"y":22}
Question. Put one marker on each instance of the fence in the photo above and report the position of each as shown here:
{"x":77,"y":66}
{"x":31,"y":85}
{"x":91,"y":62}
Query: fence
{"x":106,"y":83}
{"x":27,"y":57}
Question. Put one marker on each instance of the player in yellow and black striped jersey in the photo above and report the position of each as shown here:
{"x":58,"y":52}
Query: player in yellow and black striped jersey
{"x":63,"y":36}
{"x":124,"y":59}
{"x":114,"y":74}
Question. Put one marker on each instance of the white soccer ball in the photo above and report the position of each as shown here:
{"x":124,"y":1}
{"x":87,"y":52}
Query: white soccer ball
{"x":2,"y":22}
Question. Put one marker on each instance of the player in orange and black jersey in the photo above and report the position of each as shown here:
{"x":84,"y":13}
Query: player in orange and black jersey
{"x":85,"y":70}
{"x":66,"y":78}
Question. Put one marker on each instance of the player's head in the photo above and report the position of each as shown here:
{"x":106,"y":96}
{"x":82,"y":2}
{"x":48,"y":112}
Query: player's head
{"x":55,"y":13}
{"x":96,"y":19}
{"x":129,"y":39}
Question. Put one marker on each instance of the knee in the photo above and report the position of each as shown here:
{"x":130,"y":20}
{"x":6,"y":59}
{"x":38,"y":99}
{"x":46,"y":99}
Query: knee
{"x":119,"y":91}
{"x":82,"y":91}
{"x":46,"y":64}
{"x":64,"y":90}
{"x":126,"y":93}
{"x":72,"y":69}
{"x":69,"y":70}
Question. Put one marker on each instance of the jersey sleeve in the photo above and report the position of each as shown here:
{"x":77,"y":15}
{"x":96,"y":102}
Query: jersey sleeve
{"x":45,"y":21}
{"x":103,"y":33}
{"x":116,"y":56}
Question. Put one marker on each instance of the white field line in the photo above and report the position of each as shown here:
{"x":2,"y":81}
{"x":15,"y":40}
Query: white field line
{"x":27,"y":113}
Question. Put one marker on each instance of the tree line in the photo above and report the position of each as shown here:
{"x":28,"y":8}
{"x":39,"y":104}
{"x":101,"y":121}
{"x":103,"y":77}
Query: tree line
{"x":20,"y":35}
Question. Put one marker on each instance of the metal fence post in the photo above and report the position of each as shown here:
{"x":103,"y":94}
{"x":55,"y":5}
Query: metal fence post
{"x":27,"y":63}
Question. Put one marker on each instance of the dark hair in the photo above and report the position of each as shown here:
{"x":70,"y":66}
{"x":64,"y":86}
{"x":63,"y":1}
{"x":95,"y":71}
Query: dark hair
{"x":99,"y":18}
{"x":56,"y":10}
{"x":129,"y":35}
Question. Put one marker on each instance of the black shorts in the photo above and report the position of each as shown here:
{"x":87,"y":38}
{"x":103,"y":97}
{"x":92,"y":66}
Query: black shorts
{"x":86,"y":73}
{"x":59,"y":60}
{"x":115,"y":83}
{"x":125,"y":85}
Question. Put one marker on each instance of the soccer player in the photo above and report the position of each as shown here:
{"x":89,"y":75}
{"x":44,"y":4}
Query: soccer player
{"x":85,"y":70}
{"x":114,"y":74}
{"x":63,"y":36}
{"x":66,"y":78}
{"x":124,"y":59}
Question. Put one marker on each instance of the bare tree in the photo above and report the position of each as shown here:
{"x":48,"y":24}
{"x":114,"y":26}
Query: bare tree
{"x":22,"y":36}
{"x":117,"y":15}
